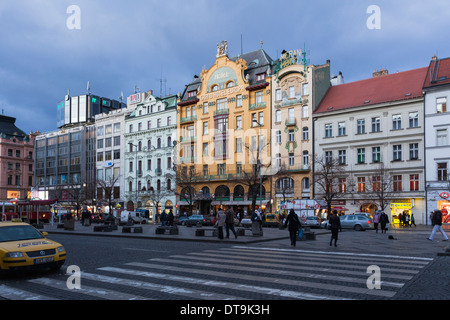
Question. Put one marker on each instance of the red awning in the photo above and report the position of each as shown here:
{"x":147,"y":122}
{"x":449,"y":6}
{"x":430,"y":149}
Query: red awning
{"x":37,"y":202}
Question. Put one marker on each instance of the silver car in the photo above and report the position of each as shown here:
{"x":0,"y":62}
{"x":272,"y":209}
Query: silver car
{"x":355,"y":222}
{"x":311,"y":222}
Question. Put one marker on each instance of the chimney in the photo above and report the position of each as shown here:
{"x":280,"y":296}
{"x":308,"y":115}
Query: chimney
{"x":380,"y":73}
{"x":150,"y":92}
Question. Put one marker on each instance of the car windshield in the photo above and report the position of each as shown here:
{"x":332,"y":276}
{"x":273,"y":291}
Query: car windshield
{"x":196,"y":217}
{"x":271,"y":216}
{"x":17,"y":233}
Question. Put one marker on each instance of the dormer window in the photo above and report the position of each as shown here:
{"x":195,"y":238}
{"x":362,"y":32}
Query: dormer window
{"x":261,"y":76}
{"x":192,"y":93}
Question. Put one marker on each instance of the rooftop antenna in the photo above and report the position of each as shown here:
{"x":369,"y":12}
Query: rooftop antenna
{"x":161,"y":81}
{"x":88,"y":88}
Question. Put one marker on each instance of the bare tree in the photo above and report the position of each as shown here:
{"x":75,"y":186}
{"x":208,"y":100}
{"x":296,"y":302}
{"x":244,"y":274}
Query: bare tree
{"x":327,"y":173}
{"x":285,"y":185}
{"x":107,"y":188}
{"x":254,"y":178}
{"x":186,"y":178}
{"x":381,"y":189}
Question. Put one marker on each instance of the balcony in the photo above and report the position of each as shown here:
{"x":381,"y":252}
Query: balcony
{"x":291,"y":122}
{"x":221,"y":111}
{"x":259,"y":105}
{"x":158,"y":171}
{"x":188,"y":139}
{"x":188,"y":119}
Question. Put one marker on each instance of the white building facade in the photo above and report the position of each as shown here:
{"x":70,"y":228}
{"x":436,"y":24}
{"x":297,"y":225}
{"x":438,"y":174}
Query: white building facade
{"x":374,"y":129}
{"x":437,"y":141}
{"x":150,"y":137}
{"x":110,"y":147}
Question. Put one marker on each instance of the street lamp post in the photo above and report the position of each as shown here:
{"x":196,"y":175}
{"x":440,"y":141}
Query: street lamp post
{"x":260,"y":165}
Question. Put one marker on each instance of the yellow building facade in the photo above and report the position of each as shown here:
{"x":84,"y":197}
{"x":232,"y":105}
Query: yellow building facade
{"x":224,"y":131}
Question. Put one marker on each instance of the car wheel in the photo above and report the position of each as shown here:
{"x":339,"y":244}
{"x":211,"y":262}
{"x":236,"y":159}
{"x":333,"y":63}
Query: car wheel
{"x":358,"y":227}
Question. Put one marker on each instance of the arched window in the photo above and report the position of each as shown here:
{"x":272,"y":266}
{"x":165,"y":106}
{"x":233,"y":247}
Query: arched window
{"x":158,"y":143}
{"x":169,"y":142}
{"x":205,"y":191}
{"x":230,"y":84}
{"x":215,"y":87}
{"x":169,"y":184}
{"x":238,"y":193}
{"x":158,"y":185}
{"x":130,"y":186}
{"x":149,"y":144}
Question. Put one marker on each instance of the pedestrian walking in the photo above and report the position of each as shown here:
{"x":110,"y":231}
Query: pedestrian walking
{"x":376,"y":220}
{"x":229,"y":222}
{"x":257,"y":220}
{"x":221,"y":222}
{"x":335,"y":224}
{"x":413,"y":220}
{"x":437,"y":225}
{"x":407,"y":220}
{"x":163,"y":218}
{"x":170,"y":218}
{"x":384,"y":220}
{"x":294,"y":225}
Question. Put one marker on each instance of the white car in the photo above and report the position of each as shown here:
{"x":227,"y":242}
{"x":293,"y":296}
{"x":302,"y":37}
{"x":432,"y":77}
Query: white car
{"x":246,"y":222}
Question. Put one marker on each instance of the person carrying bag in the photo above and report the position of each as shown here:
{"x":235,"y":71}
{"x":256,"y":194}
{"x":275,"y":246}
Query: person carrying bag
{"x":294,"y":226}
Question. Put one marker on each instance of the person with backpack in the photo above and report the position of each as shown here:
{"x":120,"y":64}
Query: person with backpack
{"x":294,"y":225}
{"x":437,"y":225}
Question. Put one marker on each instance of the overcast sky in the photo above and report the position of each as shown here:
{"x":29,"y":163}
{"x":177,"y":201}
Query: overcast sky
{"x":126,"y":43}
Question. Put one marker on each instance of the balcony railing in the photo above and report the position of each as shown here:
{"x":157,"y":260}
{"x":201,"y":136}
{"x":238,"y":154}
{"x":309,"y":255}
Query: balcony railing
{"x":221,"y":111}
{"x":188,"y":119}
{"x":254,"y":106}
{"x":291,"y":122}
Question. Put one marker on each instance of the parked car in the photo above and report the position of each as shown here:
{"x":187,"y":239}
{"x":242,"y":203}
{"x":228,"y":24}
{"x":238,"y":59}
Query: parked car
{"x":272,"y":219}
{"x":246,"y":222}
{"x":209,"y":220}
{"x":181,"y":221}
{"x":196,"y":219}
{"x":368,"y":215}
{"x":312,"y":222}
{"x":355,"y":222}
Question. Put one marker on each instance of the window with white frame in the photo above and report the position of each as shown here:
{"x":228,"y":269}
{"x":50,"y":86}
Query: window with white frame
{"x":305,"y":112}
{"x":305,"y":133}
{"x":441,"y":137}
{"x":413,"y":151}
{"x":361,"y":155}
{"x":278,"y":136}
{"x":328,"y":130}
{"x":305,"y":89}
{"x":278,"y":116}
{"x":306,"y":158}
{"x":360,"y":126}
{"x":238,"y":122}
{"x":205,"y":128}
{"x":278,"y":95}
{"x":376,"y":154}
{"x":342,"y":156}
{"x":291,"y":92}
{"x":441,"y":105}
{"x":342,"y":129}
{"x":259,"y":97}
{"x":442,"y":173}
{"x":413,"y":119}
{"x":396,"y":122}
{"x":397,"y":152}
{"x":291,"y":159}
{"x":205,"y":107}
{"x":239,"y":100}
{"x":376,"y":124}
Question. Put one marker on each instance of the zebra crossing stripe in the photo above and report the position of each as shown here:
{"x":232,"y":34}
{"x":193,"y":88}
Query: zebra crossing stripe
{"x":190,"y":293}
{"x":99,"y":293}
{"x":18,"y":294}
{"x":288,"y":280}
{"x":338,"y":253}
{"x":218,"y":284}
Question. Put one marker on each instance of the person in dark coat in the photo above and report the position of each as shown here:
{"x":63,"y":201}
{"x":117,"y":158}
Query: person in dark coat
{"x":383,"y":221}
{"x":294,"y":225}
{"x":170,"y":218}
{"x":335,"y":224}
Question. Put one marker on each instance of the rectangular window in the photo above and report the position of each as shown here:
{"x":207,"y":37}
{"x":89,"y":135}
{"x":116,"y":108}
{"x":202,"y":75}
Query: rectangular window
{"x":376,"y":183}
{"x":238,"y":145}
{"x":261,"y":118}
{"x":205,"y":149}
{"x":291,"y":92}
{"x":396,"y":122}
{"x":328,"y":130}
{"x":205,"y":107}
{"x":413,"y":151}
{"x":238,"y":122}
{"x":278,"y":116}
{"x":291,"y":159}
{"x":441,"y":105}
{"x":278,"y":95}
{"x":376,"y":124}
{"x":413,"y":119}
{"x":441,"y":137}
{"x":397,"y":152}
{"x":239,"y":100}
{"x":305,"y":89}
{"x":291,"y":135}
{"x":221,"y":104}
{"x":305,"y":112}
{"x":342,"y":185}
{"x":361,"y":155}
{"x":278,"y":137}
{"x":259,"y":97}
{"x":328,"y":156}
{"x":397,"y":183}
{"x":413,"y":182}
{"x":205,"y":128}
{"x":361,"y":184}
{"x":376,"y":154}
{"x":341,"y":129}
{"x":342,"y":154}
{"x":442,"y":171}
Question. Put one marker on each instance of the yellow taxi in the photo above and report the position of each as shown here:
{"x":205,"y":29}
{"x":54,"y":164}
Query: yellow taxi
{"x":24,"y":247}
{"x":271,"y":219}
